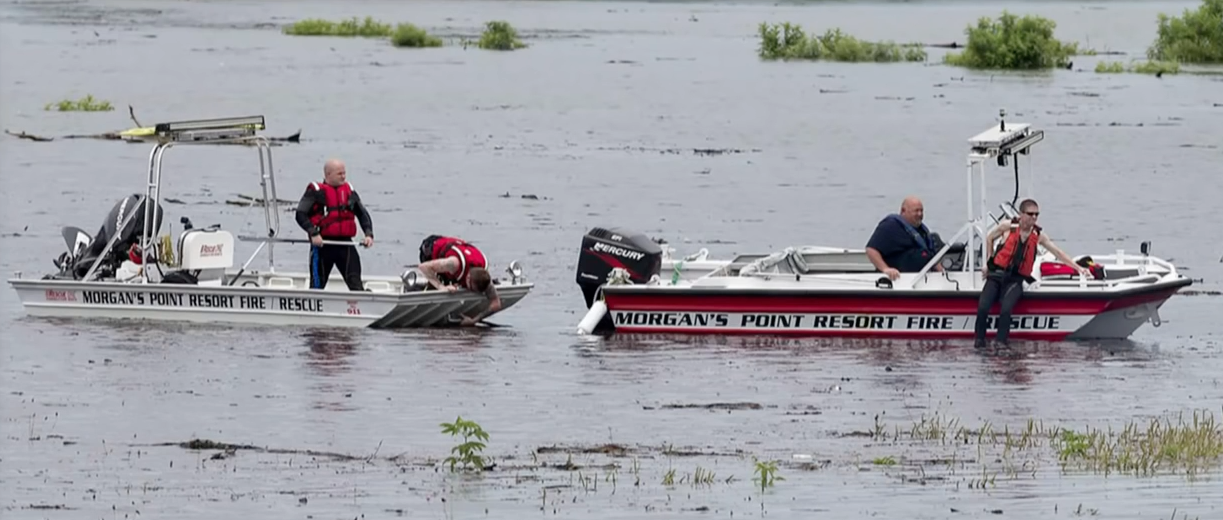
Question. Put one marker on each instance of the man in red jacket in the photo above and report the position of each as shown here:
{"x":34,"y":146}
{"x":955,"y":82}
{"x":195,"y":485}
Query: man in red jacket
{"x":448,"y":263}
{"x":330,"y":211}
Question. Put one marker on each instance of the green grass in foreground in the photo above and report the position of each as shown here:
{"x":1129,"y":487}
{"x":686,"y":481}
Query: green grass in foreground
{"x":787,"y":41}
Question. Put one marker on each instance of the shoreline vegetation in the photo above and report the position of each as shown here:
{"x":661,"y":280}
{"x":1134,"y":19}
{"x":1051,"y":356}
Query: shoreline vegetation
{"x":498,"y":35}
{"x":1011,"y":42}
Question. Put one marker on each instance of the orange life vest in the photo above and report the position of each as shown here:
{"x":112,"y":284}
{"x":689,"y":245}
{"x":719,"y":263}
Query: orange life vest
{"x":336,"y":218}
{"x":1002,"y":259}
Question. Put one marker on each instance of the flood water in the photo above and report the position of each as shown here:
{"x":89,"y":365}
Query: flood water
{"x":598,"y":119}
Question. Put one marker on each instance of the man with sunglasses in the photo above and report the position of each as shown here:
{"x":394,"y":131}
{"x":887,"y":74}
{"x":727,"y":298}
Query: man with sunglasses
{"x":1011,"y":265}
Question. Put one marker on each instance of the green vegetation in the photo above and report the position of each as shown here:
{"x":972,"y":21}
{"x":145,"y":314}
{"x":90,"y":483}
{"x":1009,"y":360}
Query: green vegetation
{"x":500,"y":36}
{"x":408,"y":35}
{"x":766,"y":474}
{"x":469,"y":451}
{"x":788,"y":41}
{"x":370,"y":28}
{"x":85,"y":104}
{"x":1195,"y":37}
{"x":1013,"y":43}
{"x":1144,"y":67}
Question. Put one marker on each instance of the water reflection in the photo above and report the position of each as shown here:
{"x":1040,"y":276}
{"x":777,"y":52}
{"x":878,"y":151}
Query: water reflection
{"x":329,"y":354}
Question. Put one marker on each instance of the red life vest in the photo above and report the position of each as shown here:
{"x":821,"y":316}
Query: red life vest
{"x":469,"y":256}
{"x":336,"y":219}
{"x":1002,"y":259}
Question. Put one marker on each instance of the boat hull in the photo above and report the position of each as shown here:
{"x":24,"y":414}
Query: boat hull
{"x":1053,"y":315}
{"x":260,"y":298}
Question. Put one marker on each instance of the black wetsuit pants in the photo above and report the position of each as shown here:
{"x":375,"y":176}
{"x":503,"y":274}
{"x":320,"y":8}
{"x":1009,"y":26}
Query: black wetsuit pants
{"x":1006,"y":290}
{"x":346,"y":258}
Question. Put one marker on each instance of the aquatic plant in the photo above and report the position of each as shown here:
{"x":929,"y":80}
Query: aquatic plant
{"x":500,"y":36}
{"x":1144,"y":67}
{"x":766,"y":474}
{"x":1195,"y":37}
{"x":787,"y":41}
{"x":369,"y":28}
{"x":1144,"y":450}
{"x":1012,"y":43}
{"x":408,"y":35}
{"x":85,"y":104}
{"x":469,"y":451}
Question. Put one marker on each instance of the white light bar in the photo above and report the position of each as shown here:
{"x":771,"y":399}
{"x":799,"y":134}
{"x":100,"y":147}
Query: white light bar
{"x":1006,"y":139}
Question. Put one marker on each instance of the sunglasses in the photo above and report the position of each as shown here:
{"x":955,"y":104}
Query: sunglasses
{"x":1032,"y":214}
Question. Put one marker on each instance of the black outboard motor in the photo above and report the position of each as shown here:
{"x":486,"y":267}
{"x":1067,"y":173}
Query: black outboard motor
{"x":127,"y":236}
{"x":606,"y":249}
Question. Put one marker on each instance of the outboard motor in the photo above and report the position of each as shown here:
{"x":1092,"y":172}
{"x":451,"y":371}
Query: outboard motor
{"x":602,"y":251}
{"x":128,"y":236}
{"x":607,"y":249}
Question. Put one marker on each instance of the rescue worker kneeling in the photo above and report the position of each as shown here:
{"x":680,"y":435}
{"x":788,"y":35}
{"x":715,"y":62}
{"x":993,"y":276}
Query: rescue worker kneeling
{"x":1007,"y":270}
{"x":449,"y":263}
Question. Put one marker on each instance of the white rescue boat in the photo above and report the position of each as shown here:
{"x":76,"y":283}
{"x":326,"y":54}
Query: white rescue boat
{"x":127,"y":272}
{"x":633,"y":284}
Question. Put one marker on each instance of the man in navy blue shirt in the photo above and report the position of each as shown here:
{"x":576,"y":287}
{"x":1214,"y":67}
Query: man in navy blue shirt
{"x":901,"y":243}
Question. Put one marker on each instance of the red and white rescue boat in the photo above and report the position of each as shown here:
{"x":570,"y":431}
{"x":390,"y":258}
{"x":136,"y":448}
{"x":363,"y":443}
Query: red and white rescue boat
{"x":633,"y":285}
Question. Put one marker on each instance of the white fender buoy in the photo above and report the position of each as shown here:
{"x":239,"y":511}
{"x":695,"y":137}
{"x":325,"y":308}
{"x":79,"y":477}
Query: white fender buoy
{"x":596,"y":312}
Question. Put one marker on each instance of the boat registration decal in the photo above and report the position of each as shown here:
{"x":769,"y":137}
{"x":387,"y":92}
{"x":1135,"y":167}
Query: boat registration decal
{"x":191,"y":300}
{"x":792,"y":321}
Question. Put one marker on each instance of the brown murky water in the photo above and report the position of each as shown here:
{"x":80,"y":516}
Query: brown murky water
{"x":346,"y":423}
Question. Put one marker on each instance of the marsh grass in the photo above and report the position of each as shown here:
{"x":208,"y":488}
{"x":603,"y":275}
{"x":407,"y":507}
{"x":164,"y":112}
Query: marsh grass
{"x":499,"y":35}
{"x":1142,"y":67}
{"x":1194,"y":37}
{"x":1013,"y":43}
{"x":408,"y":35}
{"x":85,"y":104}
{"x":787,"y":41}
{"x":1184,"y":446}
{"x":352,"y":27}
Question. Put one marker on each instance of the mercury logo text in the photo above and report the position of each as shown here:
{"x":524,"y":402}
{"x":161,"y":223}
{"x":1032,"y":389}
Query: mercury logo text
{"x":618,"y":251}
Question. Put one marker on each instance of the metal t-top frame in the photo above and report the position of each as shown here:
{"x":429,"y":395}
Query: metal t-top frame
{"x":1003,"y":142}
{"x":230,"y":130}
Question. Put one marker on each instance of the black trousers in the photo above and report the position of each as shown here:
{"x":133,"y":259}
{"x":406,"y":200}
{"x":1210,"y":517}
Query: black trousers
{"x":1003,"y":289}
{"x":346,"y":258}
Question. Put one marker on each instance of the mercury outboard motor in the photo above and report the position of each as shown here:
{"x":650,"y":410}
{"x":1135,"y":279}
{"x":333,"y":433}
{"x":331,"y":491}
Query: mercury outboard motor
{"x":607,"y":249}
{"x":78,"y":266}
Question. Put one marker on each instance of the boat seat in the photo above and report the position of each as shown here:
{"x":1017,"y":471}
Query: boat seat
{"x":378,"y":286}
{"x":280,"y":282}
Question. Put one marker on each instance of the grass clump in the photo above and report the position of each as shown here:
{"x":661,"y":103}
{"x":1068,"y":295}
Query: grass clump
{"x":500,"y":36}
{"x":369,"y":28}
{"x":1184,"y":446}
{"x":85,"y":104}
{"x":1013,"y":43}
{"x":1145,"y":67}
{"x":1195,"y":37}
{"x":786,"y":41}
{"x":408,"y":35}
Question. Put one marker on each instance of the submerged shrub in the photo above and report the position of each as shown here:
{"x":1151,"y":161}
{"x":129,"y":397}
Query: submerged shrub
{"x":85,"y":104}
{"x":787,"y":41}
{"x":1196,"y":37}
{"x":500,"y":36}
{"x":1013,"y":43}
{"x":369,"y":28}
{"x":408,"y":35}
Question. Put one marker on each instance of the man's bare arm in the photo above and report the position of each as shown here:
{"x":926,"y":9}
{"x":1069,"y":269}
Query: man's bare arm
{"x":432,"y":267}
